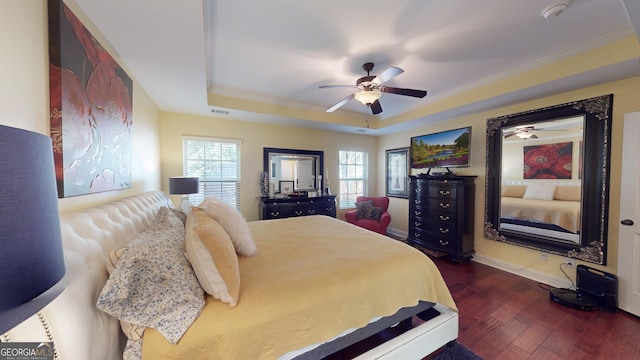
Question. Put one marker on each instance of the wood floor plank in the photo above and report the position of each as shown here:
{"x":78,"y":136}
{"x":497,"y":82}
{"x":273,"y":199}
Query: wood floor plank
{"x":504,"y":316}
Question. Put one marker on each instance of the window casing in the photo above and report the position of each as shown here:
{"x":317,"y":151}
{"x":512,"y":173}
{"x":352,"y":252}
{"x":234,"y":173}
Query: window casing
{"x":352,"y":172}
{"x":217,"y":163}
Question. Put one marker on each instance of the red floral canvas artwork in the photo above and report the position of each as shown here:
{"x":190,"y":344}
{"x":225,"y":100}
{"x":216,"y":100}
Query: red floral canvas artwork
{"x":551,"y":161}
{"x":90,"y":109}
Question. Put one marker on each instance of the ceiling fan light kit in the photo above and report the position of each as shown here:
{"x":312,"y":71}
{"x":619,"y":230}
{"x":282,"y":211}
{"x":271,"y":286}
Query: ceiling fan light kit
{"x":367,"y":97}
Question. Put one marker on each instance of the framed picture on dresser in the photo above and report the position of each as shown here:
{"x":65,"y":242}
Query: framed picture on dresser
{"x":286,"y":187}
{"x":397,"y":165}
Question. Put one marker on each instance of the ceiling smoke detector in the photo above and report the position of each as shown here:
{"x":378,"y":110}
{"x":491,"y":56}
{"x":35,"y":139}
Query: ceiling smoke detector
{"x":554,"y":10}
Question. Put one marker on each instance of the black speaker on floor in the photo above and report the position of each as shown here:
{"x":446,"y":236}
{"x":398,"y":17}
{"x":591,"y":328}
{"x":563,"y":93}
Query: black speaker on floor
{"x":600,"y":285}
{"x":595,"y":289}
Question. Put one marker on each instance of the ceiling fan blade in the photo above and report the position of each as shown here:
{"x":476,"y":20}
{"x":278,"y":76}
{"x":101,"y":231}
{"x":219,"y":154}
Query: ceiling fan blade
{"x":376,"y":108}
{"x":406,"y":92}
{"x":533,"y":136}
{"x":335,"y":86}
{"x":388,"y":74}
{"x":340,"y":103}
{"x":510,"y":134}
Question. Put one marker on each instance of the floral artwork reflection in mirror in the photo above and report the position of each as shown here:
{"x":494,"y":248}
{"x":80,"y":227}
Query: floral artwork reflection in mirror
{"x":549,"y":161}
{"x":90,"y":109}
{"x":397,"y":162}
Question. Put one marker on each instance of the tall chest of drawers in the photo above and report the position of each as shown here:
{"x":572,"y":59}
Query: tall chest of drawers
{"x":441,"y":214}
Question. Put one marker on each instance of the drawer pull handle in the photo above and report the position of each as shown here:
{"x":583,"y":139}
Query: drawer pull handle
{"x":299,"y":212}
{"x":445,"y":193}
{"x":417,"y":235}
{"x":444,"y":231}
{"x":275,"y":213}
{"x":417,"y":202}
{"x":312,"y":211}
{"x":444,"y":206}
{"x":444,"y":218}
{"x":418,"y":212}
{"x":444,"y":243}
{"x":417,"y":223}
{"x":417,"y":190}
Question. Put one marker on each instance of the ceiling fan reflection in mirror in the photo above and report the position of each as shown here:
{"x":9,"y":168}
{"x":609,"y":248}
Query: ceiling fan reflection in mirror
{"x":370,"y":89}
{"x":526,"y":132}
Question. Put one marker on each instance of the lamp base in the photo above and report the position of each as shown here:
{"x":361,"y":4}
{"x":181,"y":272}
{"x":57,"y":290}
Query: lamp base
{"x":185,"y":204}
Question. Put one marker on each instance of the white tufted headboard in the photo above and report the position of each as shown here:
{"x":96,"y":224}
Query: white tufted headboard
{"x":79,"y":330}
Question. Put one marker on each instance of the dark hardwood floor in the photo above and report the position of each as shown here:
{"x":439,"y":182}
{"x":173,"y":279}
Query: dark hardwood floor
{"x":505,"y":316}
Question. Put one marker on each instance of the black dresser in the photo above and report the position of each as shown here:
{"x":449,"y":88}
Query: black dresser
{"x":441,"y":214}
{"x":277,"y":208}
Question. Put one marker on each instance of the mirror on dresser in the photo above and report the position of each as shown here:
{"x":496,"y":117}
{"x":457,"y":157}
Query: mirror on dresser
{"x":293,"y":185}
{"x":547,"y":179}
{"x":303,"y":168}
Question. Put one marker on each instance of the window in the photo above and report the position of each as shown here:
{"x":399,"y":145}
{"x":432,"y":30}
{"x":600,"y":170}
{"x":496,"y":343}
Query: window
{"x":217,"y":163}
{"x":352,"y":173}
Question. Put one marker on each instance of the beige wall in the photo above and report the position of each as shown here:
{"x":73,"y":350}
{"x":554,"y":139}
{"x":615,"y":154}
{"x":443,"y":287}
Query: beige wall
{"x":625,"y":101}
{"x":255,"y":137}
{"x":24,"y":95}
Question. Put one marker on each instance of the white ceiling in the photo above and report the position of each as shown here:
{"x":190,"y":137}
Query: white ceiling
{"x":264,"y":60}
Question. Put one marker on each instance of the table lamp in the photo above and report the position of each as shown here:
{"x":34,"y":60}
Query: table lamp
{"x":184,"y":185}
{"x":31,"y":258}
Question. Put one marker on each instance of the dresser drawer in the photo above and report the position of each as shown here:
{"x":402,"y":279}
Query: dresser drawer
{"x":292,"y":207}
{"x":433,"y":241}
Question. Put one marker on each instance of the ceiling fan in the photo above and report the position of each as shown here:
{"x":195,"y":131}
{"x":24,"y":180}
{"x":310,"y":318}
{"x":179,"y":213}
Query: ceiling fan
{"x":527,"y":132}
{"x":371,"y":87}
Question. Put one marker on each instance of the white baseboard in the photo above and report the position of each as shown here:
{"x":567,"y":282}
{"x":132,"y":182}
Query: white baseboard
{"x":523,"y":271}
{"x":397,"y":233}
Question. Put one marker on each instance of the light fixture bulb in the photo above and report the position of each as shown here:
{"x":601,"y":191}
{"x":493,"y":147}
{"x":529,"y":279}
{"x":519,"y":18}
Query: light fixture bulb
{"x":524,"y":134}
{"x":368,"y":97}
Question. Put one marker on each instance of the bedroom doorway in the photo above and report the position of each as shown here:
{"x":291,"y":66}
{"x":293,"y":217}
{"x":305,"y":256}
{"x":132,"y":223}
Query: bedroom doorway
{"x":629,"y":239}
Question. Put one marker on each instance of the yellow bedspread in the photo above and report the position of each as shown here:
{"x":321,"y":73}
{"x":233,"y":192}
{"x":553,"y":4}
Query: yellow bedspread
{"x":313,"y":278}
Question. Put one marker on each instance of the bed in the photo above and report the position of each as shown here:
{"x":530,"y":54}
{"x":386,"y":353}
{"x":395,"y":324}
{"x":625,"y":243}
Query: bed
{"x":543,"y":208}
{"x":272,"y":318}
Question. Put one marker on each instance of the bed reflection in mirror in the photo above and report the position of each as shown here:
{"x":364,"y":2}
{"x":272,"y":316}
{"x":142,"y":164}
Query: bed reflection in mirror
{"x":541,"y":179}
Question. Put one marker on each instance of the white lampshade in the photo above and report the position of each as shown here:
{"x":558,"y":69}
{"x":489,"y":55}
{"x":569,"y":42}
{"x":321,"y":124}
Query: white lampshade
{"x":367,"y":97}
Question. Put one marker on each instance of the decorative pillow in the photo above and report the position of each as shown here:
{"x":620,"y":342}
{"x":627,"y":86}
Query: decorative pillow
{"x":133,"y":332}
{"x":180,"y":214}
{"x":366,"y":210}
{"x":213,"y":257}
{"x":516,"y":191}
{"x":233,"y":223}
{"x":153,"y":284}
{"x":568,"y":193}
{"x":540,"y":191}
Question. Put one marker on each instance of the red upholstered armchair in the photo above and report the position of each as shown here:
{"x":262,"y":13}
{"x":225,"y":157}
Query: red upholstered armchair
{"x":368,"y":217}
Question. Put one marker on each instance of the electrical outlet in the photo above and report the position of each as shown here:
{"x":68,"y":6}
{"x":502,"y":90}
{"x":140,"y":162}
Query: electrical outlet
{"x":571,"y":262}
{"x":544,"y":256}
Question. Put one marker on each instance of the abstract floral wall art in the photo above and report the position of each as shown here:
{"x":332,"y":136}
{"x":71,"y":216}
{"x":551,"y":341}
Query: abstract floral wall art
{"x":550,"y":161}
{"x":90,"y":109}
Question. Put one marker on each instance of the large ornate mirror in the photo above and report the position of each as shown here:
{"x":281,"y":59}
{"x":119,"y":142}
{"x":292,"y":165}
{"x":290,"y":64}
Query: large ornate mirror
{"x":547,"y":180}
{"x":302,"y":168}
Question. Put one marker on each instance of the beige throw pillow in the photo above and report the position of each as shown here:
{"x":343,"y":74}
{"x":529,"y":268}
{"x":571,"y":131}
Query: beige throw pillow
{"x":233,"y":223}
{"x":213,"y":257}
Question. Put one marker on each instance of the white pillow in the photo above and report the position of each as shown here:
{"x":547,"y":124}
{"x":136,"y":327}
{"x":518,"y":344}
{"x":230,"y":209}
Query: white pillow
{"x":540,"y":191}
{"x":233,"y":223}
